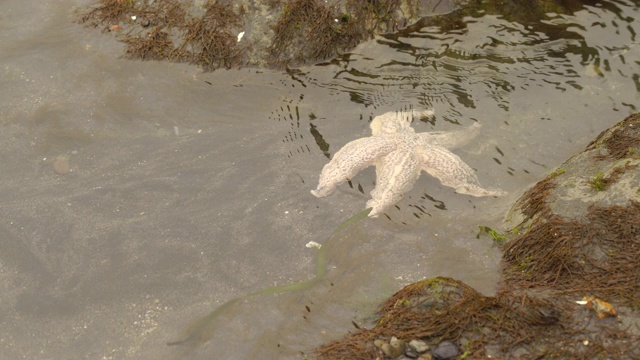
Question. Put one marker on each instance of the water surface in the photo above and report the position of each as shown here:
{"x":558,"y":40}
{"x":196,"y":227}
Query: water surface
{"x":189,"y":189}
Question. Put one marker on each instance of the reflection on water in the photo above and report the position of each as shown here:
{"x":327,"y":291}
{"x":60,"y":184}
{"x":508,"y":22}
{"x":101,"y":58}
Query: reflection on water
{"x":488,"y":56}
{"x":153,"y":228}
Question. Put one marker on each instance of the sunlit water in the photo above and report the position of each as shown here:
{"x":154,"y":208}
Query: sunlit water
{"x":190,"y":189}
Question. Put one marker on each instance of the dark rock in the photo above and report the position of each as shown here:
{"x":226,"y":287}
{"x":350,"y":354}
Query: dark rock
{"x":411,"y":354}
{"x":446,"y":350}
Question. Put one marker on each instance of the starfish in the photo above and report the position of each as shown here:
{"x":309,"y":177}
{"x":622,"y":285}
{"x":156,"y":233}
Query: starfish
{"x":400,"y":155}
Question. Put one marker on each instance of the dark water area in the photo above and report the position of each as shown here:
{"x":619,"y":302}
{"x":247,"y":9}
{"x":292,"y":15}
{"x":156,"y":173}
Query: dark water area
{"x":138,"y":197}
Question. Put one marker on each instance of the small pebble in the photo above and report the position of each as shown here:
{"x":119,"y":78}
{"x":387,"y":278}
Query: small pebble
{"x":446,"y":350}
{"x":115,"y":27}
{"x":521,"y":353}
{"x":61,"y":165}
{"x":394,"y":348}
{"x":419,"y":346}
{"x":411,"y":354}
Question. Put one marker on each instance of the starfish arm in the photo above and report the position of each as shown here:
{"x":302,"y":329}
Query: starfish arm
{"x":451,"y":139}
{"x":395,"y":175}
{"x":393,"y":122}
{"x":453,"y":172}
{"x":349,"y":160}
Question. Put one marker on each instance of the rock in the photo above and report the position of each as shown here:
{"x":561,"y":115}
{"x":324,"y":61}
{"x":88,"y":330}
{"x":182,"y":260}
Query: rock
{"x":411,"y":354}
{"x":604,"y":174}
{"x":394,"y":348}
{"x":520,"y":353}
{"x":276,"y":41}
{"x":419,"y":346}
{"x":446,"y":350}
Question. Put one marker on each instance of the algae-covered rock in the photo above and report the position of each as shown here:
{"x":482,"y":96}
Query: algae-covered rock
{"x":226,"y":34}
{"x":604,"y":174}
{"x":581,"y":224}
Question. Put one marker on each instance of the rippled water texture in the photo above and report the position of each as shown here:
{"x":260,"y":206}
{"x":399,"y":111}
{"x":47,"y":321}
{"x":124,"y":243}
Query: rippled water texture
{"x":138,"y":197}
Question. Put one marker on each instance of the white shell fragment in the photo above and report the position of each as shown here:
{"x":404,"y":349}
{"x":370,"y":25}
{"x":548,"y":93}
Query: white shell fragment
{"x":313,"y":244}
{"x":240,"y":36}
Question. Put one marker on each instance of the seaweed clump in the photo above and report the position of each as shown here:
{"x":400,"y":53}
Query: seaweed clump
{"x":109,"y":12}
{"x":156,"y":45}
{"x":444,"y":308}
{"x":210,"y":38}
{"x":169,"y":30}
{"x":594,"y":256}
{"x":622,"y":142}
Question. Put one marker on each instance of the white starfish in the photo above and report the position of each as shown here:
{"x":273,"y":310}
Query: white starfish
{"x":399,"y":155}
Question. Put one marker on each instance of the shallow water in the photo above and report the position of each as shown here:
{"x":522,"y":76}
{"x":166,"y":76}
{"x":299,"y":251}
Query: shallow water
{"x":189,"y":189}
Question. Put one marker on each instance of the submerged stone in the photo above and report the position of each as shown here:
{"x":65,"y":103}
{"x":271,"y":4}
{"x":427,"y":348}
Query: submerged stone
{"x":61,"y":165}
{"x":446,"y":350}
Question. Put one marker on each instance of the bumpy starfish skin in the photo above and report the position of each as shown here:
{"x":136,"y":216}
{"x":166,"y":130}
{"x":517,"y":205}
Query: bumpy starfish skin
{"x":349,"y":160}
{"x":399,"y":155}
